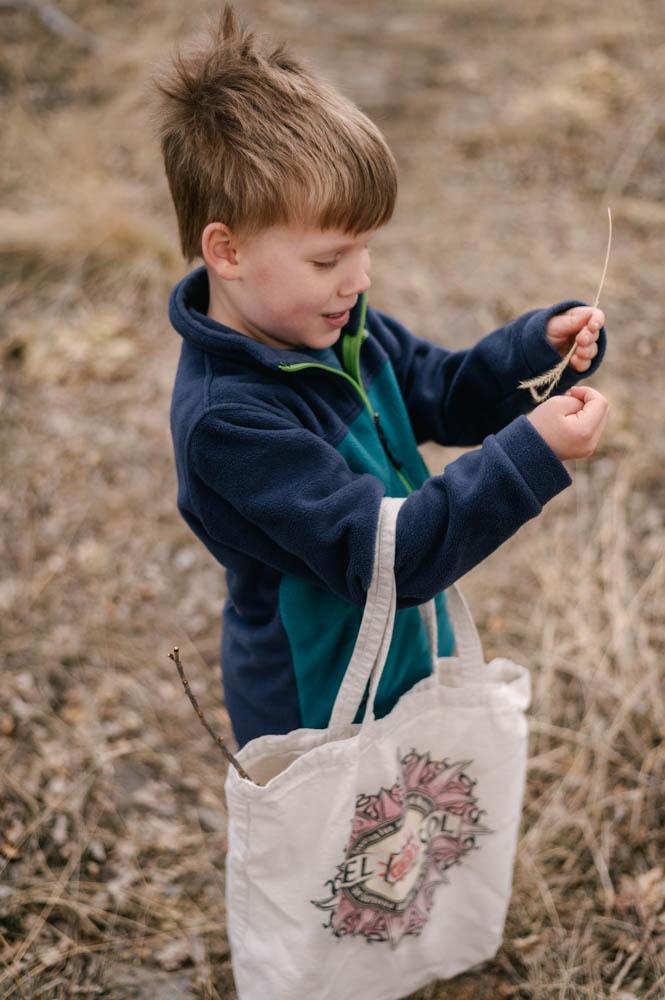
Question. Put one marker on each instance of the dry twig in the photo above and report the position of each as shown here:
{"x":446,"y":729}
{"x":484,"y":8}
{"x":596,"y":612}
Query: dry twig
{"x":175,"y":656}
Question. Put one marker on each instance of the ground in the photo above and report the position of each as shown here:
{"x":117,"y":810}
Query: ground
{"x":514,"y":125}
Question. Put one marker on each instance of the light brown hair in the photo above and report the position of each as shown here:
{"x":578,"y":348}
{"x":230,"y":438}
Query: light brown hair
{"x":255,"y":139}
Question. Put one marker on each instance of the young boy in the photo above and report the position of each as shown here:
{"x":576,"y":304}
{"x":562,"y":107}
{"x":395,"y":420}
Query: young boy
{"x":297,"y":407}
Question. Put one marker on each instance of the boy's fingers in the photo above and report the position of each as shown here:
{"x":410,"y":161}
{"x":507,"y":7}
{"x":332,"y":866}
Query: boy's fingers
{"x":568,"y":404}
{"x":586,"y":336}
{"x":575,"y":319}
{"x":575,"y":312}
{"x":568,"y":323}
{"x":585,"y":393}
{"x":574,"y":406}
{"x":595,"y":410}
{"x":598,"y":426}
{"x":586,"y":349}
{"x":596,"y":320}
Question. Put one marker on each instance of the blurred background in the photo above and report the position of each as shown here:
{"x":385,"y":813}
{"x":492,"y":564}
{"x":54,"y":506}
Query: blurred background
{"x":514,"y":125}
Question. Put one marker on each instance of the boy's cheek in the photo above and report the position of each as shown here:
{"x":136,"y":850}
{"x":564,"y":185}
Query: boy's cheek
{"x":272,"y":285}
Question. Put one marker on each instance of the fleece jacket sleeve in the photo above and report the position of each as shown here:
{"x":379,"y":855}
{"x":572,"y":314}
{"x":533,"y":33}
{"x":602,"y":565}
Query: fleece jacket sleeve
{"x":266,"y":486}
{"x":457,"y":398}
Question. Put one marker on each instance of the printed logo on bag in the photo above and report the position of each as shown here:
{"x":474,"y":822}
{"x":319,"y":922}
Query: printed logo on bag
{"x":403,"y":840}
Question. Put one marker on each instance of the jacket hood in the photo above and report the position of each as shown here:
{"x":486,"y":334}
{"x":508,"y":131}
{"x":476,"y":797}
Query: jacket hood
{"x":188,"y":306}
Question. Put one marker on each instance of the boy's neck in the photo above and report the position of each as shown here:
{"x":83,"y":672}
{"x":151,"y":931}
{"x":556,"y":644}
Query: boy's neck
{"x":221,"y":310}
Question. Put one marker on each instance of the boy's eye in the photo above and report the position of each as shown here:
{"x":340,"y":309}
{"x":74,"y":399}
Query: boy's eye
{"x":324,"y":263}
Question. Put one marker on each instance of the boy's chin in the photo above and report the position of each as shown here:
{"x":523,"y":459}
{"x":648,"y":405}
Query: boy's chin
{"x":324,"y":339}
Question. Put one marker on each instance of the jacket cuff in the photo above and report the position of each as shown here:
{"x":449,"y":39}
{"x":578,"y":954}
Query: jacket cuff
{"x":533,"y":458}
{"x":540,"y":356}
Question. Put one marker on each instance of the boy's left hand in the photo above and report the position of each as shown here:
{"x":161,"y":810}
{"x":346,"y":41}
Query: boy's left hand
{"x":581,"y":325}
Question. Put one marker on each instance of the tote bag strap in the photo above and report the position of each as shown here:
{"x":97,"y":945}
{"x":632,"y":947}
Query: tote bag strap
{"x":376,"y":618}
{"x":376,"y":628}
{"x":428,"y":615}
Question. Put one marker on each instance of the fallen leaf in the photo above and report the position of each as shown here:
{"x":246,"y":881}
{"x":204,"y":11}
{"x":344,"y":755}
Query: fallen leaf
{"x":645,"y":892}
{"x":174,"y":955}
{"x":9,"y":851}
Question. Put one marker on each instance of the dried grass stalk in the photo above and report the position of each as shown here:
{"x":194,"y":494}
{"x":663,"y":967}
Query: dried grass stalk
{"x":549,"y":380}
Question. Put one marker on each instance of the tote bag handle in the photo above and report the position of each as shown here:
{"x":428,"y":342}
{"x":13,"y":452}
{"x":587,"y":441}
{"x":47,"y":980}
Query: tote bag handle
{"x":376,"y":628}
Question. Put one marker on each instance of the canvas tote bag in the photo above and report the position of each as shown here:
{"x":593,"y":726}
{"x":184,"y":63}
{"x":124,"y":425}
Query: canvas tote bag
{"x":376,"y":857}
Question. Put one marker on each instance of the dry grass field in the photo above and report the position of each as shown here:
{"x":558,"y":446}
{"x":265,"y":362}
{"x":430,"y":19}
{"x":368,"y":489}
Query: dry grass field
{"x":514,"y":124}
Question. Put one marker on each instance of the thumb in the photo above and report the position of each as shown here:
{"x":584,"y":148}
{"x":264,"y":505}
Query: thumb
{"x":583,"y":392}
{"x":593,"y":403}
{"x":568,"y":404}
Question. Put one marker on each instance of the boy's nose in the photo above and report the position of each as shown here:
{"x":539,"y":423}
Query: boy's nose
{"x":357,"y":283}
{"x":363,"y":283}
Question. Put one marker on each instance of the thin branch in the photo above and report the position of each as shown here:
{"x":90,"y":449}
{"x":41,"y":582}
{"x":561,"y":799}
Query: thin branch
{"x":175,"y":656}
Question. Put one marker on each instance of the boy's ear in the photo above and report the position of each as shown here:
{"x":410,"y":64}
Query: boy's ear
{"x":219,"y":250}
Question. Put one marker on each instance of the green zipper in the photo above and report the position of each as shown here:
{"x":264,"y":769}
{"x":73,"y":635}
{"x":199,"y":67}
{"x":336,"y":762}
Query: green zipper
{"x":351,"y":344}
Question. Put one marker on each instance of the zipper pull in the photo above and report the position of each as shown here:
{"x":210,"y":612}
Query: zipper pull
{"x":384,"y":441}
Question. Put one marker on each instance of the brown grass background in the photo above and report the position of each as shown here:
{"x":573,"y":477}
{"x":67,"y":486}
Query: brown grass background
{"x":514,"y":125}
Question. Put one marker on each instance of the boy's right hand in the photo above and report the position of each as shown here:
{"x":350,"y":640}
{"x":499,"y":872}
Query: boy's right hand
{"x":573,"y":423}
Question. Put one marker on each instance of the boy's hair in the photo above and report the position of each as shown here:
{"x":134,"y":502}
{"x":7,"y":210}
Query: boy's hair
{"x":254,"y":139}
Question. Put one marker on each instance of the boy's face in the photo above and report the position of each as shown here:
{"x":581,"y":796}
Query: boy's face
{"x":292,"y":286}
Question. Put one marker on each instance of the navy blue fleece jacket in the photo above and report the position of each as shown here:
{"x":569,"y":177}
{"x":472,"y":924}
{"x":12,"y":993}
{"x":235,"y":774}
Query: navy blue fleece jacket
{"x":283,"y":457}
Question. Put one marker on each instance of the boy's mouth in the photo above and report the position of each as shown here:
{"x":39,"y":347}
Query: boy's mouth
{"x":337,"y":319}
{"x":337,"y":315}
